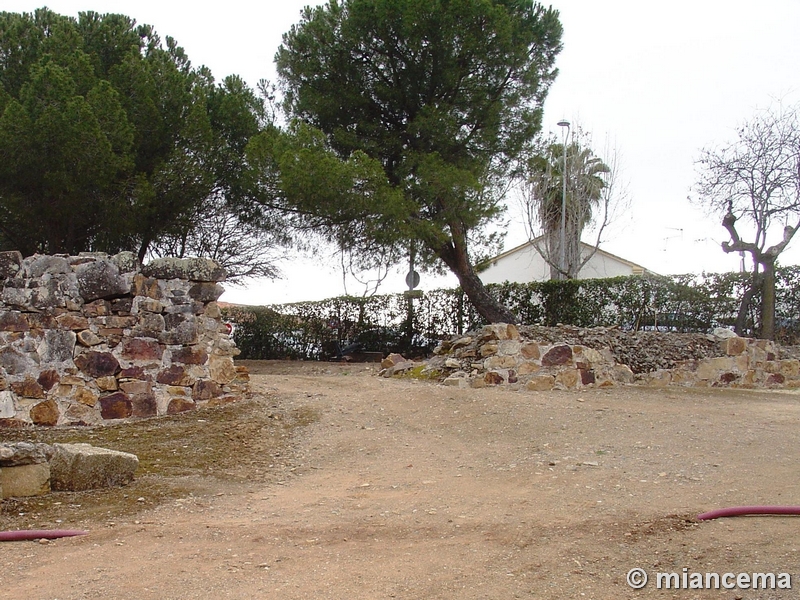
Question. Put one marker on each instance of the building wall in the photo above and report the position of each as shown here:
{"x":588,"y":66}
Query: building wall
{"x":526,"y":265}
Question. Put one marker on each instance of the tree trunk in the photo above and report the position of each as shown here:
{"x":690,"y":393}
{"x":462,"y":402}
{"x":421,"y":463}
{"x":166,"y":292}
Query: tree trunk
{"x":768,"y":301}
{"x":744,"y":306}
{"x":455,"y":257}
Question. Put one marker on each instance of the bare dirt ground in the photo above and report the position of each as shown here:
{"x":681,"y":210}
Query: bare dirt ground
{"x":409,"y":489}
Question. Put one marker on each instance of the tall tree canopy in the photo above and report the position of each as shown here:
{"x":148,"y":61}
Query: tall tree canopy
{"x":437,"y":98}
{"x":109,"y":139}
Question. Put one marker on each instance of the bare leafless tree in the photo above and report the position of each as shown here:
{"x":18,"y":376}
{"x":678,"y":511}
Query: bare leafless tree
{"x":245,"y":249}
{"x":755,"y":181}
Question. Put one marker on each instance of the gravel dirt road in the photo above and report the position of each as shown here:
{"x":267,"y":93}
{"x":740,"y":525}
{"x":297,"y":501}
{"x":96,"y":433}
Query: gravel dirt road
{"x":409,"y":489}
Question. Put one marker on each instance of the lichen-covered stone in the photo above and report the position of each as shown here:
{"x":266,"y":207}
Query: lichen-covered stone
{"x":57,"y":346}
{"x":101,"y":279}
{"x":10,"y":262}
{"x":39,"y":264}
{"x":7,"y":407}
{"x":15,"y":362}
{"x":79,"y":467}
{"x":206,"y":292}
{"x":149,"y":325}
{"x":191,"y":269}
{"x":126,"y":262}
{"x":13,"y":320}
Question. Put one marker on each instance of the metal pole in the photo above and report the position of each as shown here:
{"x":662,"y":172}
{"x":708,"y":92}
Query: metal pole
{"x":562,"y":263}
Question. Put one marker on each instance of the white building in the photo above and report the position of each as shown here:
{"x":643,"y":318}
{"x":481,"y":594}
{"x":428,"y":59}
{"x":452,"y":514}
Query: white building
{"x":524,"y":264}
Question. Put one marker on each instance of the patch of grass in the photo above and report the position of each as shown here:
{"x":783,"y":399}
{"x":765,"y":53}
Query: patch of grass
{"x":179,"y":455}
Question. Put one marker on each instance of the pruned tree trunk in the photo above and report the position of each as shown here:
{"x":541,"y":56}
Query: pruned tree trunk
{"x":744,"y":306}
{"x":768,"y":302}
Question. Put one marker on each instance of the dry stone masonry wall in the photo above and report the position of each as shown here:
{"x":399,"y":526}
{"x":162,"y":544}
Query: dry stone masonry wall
{"x":91,"y":338}
{"x":539,"y":358}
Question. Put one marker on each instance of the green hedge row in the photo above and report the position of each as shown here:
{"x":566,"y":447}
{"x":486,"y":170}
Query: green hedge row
{"x":685,"y":303}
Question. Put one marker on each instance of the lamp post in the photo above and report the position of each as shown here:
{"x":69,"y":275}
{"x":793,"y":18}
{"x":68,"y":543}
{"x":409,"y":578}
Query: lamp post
{"x":562,"y":263}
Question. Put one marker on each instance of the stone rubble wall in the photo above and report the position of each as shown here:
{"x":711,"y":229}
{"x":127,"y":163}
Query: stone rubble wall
{"x":525,"y":358}
{"x":94,"y":338}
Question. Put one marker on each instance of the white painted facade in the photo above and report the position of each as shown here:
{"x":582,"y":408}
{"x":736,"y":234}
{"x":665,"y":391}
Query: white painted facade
{"x":524,"y":264}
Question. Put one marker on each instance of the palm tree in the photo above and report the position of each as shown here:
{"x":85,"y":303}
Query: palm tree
{"x":586,"y":182}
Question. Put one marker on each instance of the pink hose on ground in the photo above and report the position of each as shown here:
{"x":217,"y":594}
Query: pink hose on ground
{"x":738,"y":511}
{"x":38,"y":534}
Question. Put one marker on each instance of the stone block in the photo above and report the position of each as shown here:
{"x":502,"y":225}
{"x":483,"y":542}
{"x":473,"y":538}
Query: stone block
{"x":79,"y":467}
{"x":97,"y":364}
{"x":116,"y":406}
{"x":569,"y":378}
{"x":223,"y":371}
{"x":456,"y":380}
{"x":530,"y":351}
{"x":508,"y":347}
{"x":488,"y":349}
{"x":28,"y":388}
{"x":191,"y":269}
{"x":150,"y":325}
{"x":174,"y":375}
{"x":107,"y":383}
{"x":494,"y":378}
{"x":72,"y":321}
{"x":7,"y":408}
{"x":622,"y":374}
{"x":205,"y":390}
{"x":101,"y":279}
{"x":48,"y":378}
{"x":142,"y":349}
{"x":557,"y":356}
{"x":85,"y":396}
{"x":13,"y":320}
{"x":734,"y":346}
{"x":57,"y":346}
{"x":25,"y":480}
{"x":144,"y":405}
{"x":190,"y":355}
{"x":206,"y":292}
{"x":88,"y":338}
{"x":10,"y":262}
{"x":528,"y":367}
{"x":542,"y":382}
{"x":179,"y":405}
{"x":790,"y":368}
{"x":500,"y":362}
{"x":45,"y":413}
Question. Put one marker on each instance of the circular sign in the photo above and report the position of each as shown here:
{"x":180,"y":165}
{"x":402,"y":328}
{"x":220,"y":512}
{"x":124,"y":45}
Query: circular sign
{"x":412,"y":279}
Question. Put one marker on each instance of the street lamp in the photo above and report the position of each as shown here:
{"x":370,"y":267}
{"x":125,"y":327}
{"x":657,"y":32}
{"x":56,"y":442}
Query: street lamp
{"x":563,"y":255}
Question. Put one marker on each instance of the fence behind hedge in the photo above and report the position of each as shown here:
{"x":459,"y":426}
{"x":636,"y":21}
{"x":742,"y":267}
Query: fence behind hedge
{"x":685,"y":303}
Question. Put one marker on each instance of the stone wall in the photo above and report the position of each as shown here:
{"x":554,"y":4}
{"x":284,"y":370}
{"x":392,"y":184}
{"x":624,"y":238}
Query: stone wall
{"x":91,"y":338}
{"x":537,"y":359}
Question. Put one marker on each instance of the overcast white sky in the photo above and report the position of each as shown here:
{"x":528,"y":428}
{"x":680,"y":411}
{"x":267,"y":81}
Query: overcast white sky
{"x":660,"y":80}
